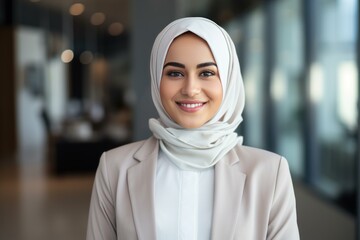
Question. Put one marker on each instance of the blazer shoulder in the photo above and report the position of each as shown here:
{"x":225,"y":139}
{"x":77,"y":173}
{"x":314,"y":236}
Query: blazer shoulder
{"x":256,"y":153}
{"x":124,"y":149}
{"x":251,"y":158}
{"x":126,"y":154}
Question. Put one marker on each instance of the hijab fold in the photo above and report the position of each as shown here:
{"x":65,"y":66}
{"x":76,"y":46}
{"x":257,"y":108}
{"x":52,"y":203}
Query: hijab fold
{"x":199,"y":148}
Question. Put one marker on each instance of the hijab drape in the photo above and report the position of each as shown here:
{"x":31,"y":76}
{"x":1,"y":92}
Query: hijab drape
{"x":199,"y":148}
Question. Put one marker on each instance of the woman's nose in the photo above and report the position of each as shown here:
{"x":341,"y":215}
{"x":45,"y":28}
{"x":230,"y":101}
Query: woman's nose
{"x":191,"y":87}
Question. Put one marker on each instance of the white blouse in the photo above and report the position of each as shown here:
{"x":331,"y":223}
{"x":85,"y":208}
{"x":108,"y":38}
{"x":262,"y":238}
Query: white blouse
{"x":183,"y":202}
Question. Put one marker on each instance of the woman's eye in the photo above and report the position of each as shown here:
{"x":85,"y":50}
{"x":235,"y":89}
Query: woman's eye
{"x":207,"y":74}
{"x":174,"y":74}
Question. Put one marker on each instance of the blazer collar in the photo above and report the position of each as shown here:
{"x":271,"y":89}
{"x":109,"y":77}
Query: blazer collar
{"x":229,"y":186}
{"x":141,"y":183}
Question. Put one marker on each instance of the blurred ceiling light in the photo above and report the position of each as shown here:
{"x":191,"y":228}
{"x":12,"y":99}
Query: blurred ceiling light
{"x":67,"y":56}
{"x":97,"y":18}
{"x":86,"y":57}
{"x":77,"y":9}
{"x":115,"y":29}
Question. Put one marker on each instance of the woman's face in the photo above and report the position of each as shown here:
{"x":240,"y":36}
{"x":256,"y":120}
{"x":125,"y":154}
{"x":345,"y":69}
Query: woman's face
{"x":190,"y":88}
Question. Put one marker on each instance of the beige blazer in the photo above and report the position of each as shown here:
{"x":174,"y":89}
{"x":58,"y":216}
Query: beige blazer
{"x":253,"y":198}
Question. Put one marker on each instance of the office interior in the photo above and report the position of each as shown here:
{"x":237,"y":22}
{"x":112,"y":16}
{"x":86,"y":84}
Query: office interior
{"x":75,"y":82}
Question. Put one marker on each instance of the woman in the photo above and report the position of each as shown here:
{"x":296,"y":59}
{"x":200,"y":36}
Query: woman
{"x":193,"y":179}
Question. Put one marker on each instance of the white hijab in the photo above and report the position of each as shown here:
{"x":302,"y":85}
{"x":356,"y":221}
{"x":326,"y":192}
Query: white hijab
{"x":200,"y":148}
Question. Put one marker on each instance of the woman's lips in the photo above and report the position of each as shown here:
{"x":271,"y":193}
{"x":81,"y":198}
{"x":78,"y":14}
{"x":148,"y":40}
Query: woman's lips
{"x":191,"y":106}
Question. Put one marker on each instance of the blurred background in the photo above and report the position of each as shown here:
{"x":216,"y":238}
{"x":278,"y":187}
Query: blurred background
{"x":74,"y":82}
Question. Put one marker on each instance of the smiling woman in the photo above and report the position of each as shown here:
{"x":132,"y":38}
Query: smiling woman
{"x":193,"y":179}
{"x":190,"y":87}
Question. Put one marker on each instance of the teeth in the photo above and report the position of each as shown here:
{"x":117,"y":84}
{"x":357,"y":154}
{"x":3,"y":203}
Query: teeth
{"x":191,"y":105}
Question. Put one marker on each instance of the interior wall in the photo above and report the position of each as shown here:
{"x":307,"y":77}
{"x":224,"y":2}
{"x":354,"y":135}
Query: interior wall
{"x":148,"y":18}
{"x":7,"y":93}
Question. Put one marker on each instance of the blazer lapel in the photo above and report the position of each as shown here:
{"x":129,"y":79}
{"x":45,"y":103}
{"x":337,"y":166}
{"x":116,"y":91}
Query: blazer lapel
{"x":229,"y":186}
{"x":141,"y":181}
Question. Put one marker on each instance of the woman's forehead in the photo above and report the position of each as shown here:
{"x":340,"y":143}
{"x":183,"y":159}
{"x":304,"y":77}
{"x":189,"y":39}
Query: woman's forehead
{"x":189,"y":46}
{"x":189,"y":42}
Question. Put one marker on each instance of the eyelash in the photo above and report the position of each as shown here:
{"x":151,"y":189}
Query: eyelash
{"x":176,"y":74}
{"x":207,"y":73}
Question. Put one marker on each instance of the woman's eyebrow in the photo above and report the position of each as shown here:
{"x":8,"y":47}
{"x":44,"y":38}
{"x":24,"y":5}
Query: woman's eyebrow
{"x":206,"y":64}
{"x":180,"y":65}
{"x":174,"y":64}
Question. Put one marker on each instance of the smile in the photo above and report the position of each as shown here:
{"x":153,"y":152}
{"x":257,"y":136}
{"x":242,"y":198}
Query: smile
{"x":191,"y":105}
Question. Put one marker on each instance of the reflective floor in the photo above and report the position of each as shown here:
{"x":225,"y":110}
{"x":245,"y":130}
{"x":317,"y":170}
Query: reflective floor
{"x":38,"y":205}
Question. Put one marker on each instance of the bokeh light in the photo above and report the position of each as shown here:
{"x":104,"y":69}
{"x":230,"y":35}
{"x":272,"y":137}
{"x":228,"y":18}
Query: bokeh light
{"x":115,"y":29}
{"x":67,"y":56}
{"x":77,"y":9}
{"x":98,"y":18}
{"x":86,"y":57}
